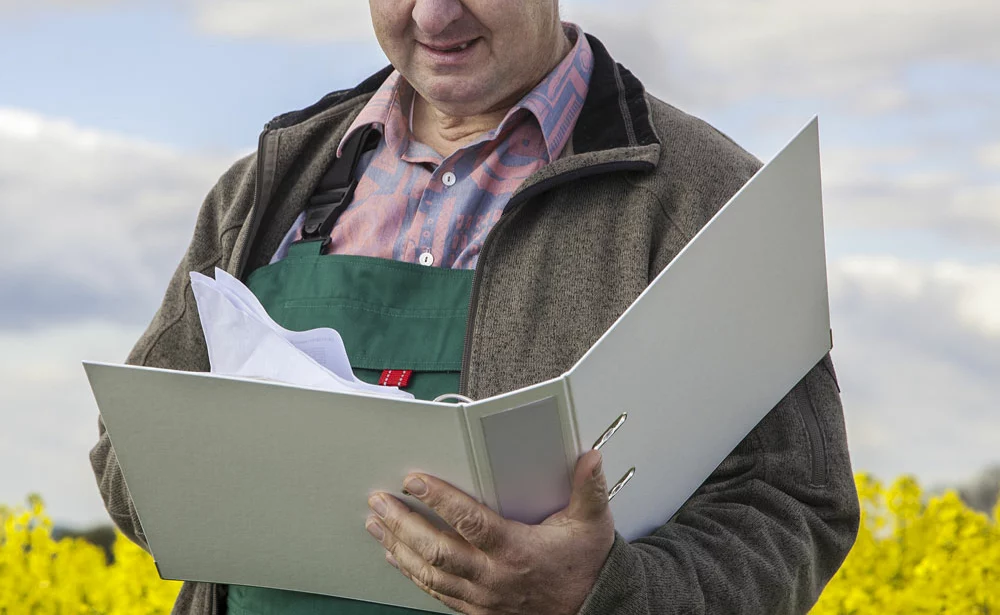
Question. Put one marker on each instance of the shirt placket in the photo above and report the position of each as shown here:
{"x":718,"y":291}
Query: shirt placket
{"x":432,"y":204}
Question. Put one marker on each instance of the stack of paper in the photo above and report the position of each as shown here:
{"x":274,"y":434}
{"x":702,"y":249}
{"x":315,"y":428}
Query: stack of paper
{"x":244,"y":341}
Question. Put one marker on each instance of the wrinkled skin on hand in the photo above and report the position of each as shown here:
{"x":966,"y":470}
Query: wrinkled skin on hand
{"x":487,"y":565}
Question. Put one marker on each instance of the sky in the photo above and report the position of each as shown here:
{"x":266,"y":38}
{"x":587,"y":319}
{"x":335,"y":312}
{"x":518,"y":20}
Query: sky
{"x":117,"y":116}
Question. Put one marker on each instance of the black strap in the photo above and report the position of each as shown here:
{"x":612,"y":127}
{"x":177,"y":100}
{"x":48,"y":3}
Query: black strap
{"x":336,"y":189}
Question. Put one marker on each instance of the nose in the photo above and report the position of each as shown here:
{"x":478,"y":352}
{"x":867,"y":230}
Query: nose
{"x":434,"y":16}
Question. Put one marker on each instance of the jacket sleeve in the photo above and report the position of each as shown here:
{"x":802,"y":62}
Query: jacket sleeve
{"x":764,"y":533}
{"x":174,"y":339}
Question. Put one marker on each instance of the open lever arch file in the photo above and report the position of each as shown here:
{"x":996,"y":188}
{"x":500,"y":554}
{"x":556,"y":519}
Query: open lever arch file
{"x":246,"y":482}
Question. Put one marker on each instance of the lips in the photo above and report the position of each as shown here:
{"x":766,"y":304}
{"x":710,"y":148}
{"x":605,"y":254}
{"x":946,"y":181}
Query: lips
{"x":452,"y":55}
{"x":461,"y":47}
{"x":449,"y":47}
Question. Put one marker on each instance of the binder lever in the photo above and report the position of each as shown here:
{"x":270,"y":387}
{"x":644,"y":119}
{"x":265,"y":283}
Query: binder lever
{"x":620,"y":484}
{"x":611,"y":431}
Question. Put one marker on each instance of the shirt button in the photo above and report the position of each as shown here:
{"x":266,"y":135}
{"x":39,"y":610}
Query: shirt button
{"x":426,"y":259}
{"x":449,"y":179}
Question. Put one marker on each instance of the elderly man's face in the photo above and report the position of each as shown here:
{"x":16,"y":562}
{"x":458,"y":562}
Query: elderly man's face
{"x":470,"y":56}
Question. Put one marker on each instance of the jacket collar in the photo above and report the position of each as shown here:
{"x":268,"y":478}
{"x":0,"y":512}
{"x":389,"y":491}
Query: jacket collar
{"x":614,"y":115}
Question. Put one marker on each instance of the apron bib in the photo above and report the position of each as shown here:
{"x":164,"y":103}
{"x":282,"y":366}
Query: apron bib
{"x":391,"y":316}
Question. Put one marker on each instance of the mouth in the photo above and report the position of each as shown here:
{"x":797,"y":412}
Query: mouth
{"x":454,"y":49}
{"x":450,"y":48}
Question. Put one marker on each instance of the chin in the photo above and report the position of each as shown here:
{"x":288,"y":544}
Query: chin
{"x":465,"y":96}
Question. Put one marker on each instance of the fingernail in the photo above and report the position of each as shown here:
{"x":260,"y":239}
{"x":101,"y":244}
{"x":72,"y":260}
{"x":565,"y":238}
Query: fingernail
{"x":392,"y":560}
{"x":416,"y":487}
{"x":599,"y":467}
{"x":374,"y":529}
{"x":377,"y":503}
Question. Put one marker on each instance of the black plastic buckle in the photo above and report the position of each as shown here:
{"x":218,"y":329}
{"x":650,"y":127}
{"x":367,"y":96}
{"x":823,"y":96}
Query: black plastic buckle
{"x":336,"y":189}
{"x":324,"y":209}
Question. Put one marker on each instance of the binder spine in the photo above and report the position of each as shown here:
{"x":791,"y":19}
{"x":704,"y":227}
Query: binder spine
{"x":470,"y":448}
{"x":577,"y":442}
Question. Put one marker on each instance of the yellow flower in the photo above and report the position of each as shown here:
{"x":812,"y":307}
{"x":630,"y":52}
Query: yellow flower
{"x":910,"y":557}
{"x":70,"y":576}
{"x":913,"y":556}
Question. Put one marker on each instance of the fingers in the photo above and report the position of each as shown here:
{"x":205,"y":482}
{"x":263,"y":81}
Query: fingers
{"x":452,"y":602}
{"x":476,"y":523}
{"x":432,"y":580}
{"x":394,"y":524}
{"x":439,"y":563}
{"x":589,"y":501}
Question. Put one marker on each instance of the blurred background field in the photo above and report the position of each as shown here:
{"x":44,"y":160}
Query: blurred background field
{"x":914,"y":554}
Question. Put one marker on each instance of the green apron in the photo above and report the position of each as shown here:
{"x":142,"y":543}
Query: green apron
{"x":391,"y":316}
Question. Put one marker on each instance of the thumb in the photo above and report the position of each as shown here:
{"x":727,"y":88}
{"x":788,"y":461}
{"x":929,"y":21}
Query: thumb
{"x":589,"y":500}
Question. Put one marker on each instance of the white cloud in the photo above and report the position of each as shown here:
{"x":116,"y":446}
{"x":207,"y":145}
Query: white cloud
{"x":298,"y":20}
{"x":917,"y":347}
{"x":969,"y":293}
{"x":93,"y":225}
{"x":895,"y":187}
{"x":29,"y":7}
{"x":989,"y":156}
{"x":95,"y":222}
{"x":49,"y":417}
{"x":733,"y":49}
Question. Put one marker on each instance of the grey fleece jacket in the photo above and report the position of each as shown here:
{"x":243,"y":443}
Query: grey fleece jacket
{"x":576,"y":245}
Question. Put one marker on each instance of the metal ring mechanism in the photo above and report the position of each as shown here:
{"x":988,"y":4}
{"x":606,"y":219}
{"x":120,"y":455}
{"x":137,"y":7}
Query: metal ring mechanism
{"x":461,"y":398}
{"x":611,"y":431}
{"x":621,"y":484}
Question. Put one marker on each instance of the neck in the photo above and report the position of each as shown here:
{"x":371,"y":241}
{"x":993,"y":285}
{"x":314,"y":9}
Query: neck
{"x":447,"y":133}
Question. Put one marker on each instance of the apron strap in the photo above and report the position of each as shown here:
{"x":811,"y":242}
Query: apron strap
{"x":336,"y":189}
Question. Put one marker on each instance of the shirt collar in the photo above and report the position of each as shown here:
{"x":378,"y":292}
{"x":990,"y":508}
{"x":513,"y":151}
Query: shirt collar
{"x":555,"y":102}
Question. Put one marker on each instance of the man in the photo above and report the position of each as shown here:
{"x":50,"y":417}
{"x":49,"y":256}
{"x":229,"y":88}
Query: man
{"x":515,"y":160}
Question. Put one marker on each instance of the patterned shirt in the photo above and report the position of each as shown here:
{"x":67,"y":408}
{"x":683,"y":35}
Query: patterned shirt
{"x":412,"y":205}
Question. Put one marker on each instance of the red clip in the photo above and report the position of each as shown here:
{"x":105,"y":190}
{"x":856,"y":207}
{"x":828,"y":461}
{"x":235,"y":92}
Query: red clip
{"x":396,"y":378}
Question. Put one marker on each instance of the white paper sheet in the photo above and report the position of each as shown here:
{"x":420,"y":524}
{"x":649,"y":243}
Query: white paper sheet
{"x":244,"y":341}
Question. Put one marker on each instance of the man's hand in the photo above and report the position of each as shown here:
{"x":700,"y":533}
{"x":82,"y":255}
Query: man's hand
{"x":489,"y":565}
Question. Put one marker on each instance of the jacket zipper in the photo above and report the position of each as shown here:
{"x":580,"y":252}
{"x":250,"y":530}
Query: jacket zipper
{"x":817,"y":446}
{"x":255,"y":215}
{"x":509,"y":212}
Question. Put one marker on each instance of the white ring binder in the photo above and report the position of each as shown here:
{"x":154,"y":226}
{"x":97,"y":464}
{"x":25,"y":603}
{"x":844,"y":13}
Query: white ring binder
{"x":709,"y":311}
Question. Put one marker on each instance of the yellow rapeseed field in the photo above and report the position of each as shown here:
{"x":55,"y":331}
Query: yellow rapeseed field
{"x":911,"y":557}
{"x":70,"y":577}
